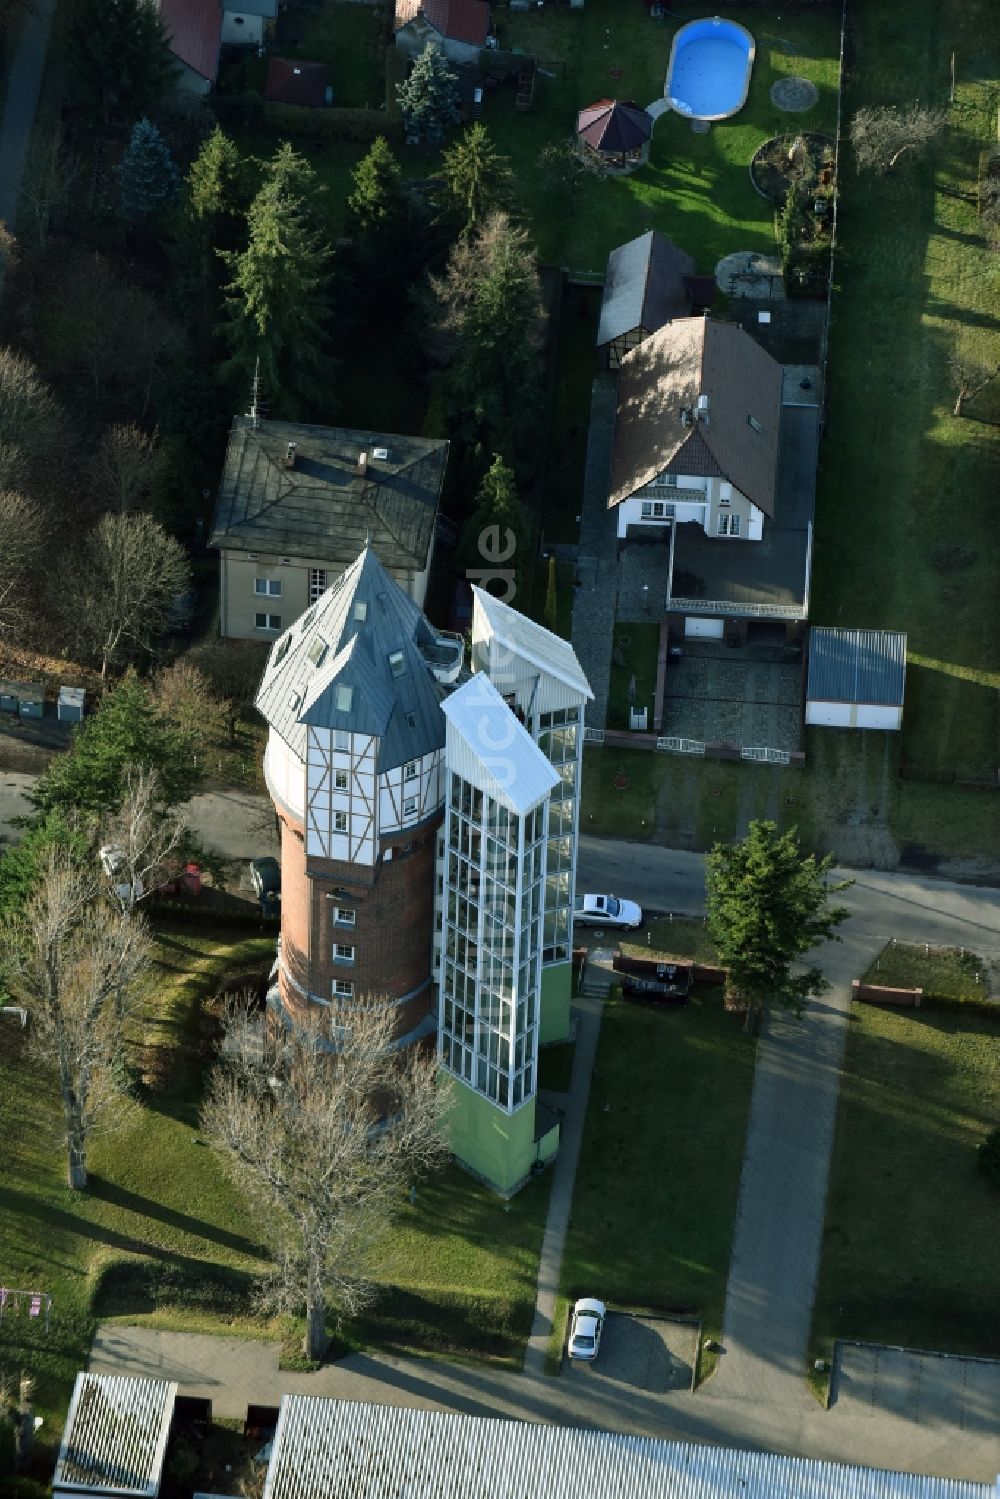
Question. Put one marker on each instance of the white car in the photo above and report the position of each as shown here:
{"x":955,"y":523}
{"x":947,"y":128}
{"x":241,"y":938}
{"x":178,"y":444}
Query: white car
{"x":112,"y":862}
{"x":585,"y":1328}
{"x":607,"y":910}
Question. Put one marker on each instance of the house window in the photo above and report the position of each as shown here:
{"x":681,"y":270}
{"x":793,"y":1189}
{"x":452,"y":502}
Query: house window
{"x":267,"y":621}
{"x":754,"y":423}
{"x":345,"y":696}
{"x":729,"y":525}
{"x":361,"y":611}
{"x":341,"y":739}
{"x":409,"y":806}
{"x":317,"y":583}
{"x":269,"y":588}
{"x":647,"y":509}
{"x":343,"y":952}
{"x":344,"y":916}
{"x":317,"y":651}
{"x":343,"y":989}
{"x":340,"y":822}
{"x":294,"y":699}
{"x":340,"y":780}
{"x":410,"y":770}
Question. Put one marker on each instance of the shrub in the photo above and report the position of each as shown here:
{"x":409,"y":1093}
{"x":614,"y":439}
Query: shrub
{"x":355,"y":125}
{"x":988,"y":1154}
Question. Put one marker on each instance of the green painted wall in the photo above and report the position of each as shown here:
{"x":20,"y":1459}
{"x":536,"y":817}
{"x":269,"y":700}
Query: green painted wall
{"x":499,"y":1146}
{"x":557,"y":990}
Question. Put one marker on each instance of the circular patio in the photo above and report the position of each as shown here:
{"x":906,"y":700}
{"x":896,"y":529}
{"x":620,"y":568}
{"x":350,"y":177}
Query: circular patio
{"x":794,"y":94}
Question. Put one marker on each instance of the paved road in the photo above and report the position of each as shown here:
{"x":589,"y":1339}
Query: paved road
{"x":24,"y":84}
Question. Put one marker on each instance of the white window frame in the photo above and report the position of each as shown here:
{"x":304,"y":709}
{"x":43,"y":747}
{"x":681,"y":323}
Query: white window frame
{"x":342,"y":989}
{"x":340,"y":822}
{"x":409,"y":806}
{"x":343,"y":952}
{"x":267,"y":588}
{"x":647,"y":510}
{"x":269,"y":622}
{"x":734,"y":525}
{"x":411,"y":770}
{"x":344,"y":697}
{"x":729,"y":525}
{"x":344,"y":916}
{"x":341,"y":739}
{"x":340,"y":780}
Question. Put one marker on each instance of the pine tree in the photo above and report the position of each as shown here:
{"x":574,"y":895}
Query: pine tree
{"x":478,"y":179}
{"x":498,"y":506}
{"x":217,"y":181}
{"x":147,"y":177}
{"x":276,"y":307}
{"x":552,"y":598}
{"x":429,"y":97}
{"x":767,"y":906}
{"x":377,"y":199}
{"x":119,"y":58}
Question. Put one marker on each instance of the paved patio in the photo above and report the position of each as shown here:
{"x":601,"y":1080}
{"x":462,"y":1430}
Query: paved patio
{"x":744,"y":695}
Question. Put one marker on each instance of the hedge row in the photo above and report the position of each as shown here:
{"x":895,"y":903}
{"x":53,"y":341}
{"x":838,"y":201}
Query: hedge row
{"x":189,"y":913}
{"x":298,"y":121}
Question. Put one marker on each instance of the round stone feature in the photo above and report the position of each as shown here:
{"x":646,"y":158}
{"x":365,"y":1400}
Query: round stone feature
{"x":794,"y":94}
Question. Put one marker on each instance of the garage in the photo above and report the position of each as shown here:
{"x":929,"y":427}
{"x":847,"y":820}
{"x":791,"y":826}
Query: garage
{"x":703,"y":629}
{"x":856,"y":679}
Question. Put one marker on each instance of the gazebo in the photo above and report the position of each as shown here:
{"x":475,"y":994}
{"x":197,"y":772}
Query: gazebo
{"x":614,"y":133}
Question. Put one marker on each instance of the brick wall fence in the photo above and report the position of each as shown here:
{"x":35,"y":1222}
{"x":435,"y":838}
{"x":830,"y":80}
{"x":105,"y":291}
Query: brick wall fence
{"x":883,"y":994}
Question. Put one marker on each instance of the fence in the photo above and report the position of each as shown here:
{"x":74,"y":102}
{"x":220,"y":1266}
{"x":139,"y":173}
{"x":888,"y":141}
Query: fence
{"x":767,"y":756}
{"x":678,"y":746}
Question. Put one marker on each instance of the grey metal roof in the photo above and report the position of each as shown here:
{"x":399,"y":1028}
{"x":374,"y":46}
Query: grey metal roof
{"x":330,"y":646}
{"x":320,"y":507}
{"x":856,"y":666}
{"x":330,"y":1449}
{"x":644,"y":286}
{"x":491,"y":749}
{"x":532,"y":642}
{"x":115,"y":1435}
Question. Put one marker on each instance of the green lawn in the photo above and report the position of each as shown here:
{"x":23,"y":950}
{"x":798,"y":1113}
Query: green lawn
{"x":942,"y":972}
{"x":656,"y":1188}
{"x":162,"y":1235}
{"x":916,"y":285}
{"x":912,"y":1225}
{"x":683,"y":939}
{"x":637,"y":646}
{"x":350,"y":40}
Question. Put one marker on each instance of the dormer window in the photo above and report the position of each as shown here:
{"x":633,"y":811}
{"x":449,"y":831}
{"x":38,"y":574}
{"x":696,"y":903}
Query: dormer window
{"x":307,"y":621}
{"x":344,"y":699}
{"x":361,"y":611}
{"x":411,"y":720}
{"x":317,"y":651}
{"x":754,"y":423}
{"x":294,"y":699}
{"x":281,"y":650}
{"x":397,"y":663}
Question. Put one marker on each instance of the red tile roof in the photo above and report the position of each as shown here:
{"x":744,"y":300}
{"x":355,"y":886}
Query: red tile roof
{"x":194,"y":30}
{"x":458,"y":20}
{"x":296,"y":82}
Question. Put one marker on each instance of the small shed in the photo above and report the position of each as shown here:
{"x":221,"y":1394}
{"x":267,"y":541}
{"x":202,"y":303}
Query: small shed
{"x":856,"y":678}
{"x":115,"y":1438}
{"x":291,"y":82}
{"x":646,"y":285}
{"x":69,"y":708}
{"x":615,"y":133}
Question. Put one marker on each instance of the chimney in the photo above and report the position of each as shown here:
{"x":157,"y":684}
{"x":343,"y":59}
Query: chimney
{"x":290,"y":454}
{"x":362,"y":468}
{"x":703,"y":409}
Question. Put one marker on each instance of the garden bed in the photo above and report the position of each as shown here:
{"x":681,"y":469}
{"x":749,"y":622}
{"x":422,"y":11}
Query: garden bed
{"x":807,"y":158}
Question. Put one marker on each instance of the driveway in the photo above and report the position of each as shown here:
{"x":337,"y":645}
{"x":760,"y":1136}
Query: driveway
{"x":650,"y":1354}
{"x":931,"y":1389}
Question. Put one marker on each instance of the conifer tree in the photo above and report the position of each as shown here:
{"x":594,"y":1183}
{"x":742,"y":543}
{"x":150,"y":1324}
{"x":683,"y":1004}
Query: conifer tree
{"x":376,"y":201}
{"x":147,"y":177}
{"x":478,"y":178}
{"x":429,"y":97}
{"x":217,"y":181}
{"x":500,"y":513}
{"x":119,"y":58}
{"x":552,"y":598}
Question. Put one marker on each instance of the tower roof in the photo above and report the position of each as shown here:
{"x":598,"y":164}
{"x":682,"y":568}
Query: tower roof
{"x":488,"y":747}
{"x":531,"y":642}
{"x":361,"y":660}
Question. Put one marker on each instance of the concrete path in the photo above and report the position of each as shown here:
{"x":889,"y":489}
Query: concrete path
{"x":588,"y":1024}
{"x":24,"y":85}
{"x":14,"y":788}
{"x":782,"y":1201}
{"x":232,"y":1372}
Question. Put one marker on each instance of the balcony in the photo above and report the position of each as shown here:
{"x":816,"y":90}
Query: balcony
{"x":444,"y":655}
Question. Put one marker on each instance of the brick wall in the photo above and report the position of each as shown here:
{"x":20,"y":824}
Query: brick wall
{"x":882,"y":994}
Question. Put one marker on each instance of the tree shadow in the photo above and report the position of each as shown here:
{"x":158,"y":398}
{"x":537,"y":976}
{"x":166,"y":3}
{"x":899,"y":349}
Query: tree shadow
{"x":102,"y":1190}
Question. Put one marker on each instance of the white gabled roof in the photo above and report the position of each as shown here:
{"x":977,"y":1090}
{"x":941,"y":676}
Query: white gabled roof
{"x":325,"y":1448}
{"x":115,"y":1437}
{"x":548,"y":652}
{"x":488,"y":747}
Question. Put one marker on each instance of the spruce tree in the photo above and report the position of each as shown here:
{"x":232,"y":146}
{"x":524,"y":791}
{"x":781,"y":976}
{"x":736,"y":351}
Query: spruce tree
{"x":147,"y":177}
{"x":499,"y":506}
{"x":276,"y":304}
{"x":217,"y":181}
{"x":119,"y":58}
{"x":429,"y":97}
{"x":376,"y":201}
{"x":478,"y":178}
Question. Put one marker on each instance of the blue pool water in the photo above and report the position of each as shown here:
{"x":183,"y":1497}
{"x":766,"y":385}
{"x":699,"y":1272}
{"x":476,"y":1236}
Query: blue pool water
{"x":710,"y":66}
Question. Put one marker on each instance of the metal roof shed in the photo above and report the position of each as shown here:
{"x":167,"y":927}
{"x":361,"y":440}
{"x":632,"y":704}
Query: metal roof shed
{"x":856,"y":678}
{"x":115,"y":1439}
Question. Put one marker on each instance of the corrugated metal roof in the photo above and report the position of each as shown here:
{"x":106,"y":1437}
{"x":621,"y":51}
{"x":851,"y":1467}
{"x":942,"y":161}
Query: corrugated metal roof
{"x":489,"y":747}
{"x":548,"y":652}
{"x":644,"y":286}
{"x":380,"y":656}
{"x":330,"y":1447}
{"x":856,"y":666}
{"x":321,"y":507}
{"x":115,"y":1435}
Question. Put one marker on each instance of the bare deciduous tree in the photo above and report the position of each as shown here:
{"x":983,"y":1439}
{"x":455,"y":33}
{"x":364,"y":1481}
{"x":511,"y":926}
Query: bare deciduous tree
{"x":75,"y":962}
{"x":127,"y":467}
{"x":143,"y":834}
{"x":323,"y":1125}
{"x":128,"y":578}
{"x":969,"y":376}
{"x":50,"y":174}
{"x":184,"y":694}
{"x":881,"y":133}
{"x":32,"y":424}
{"x":22,"y":537}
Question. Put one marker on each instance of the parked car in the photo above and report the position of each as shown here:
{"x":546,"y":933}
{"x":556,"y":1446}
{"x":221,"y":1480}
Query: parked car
{"x":585,"y":1328}
{"x":607,"y":910}
{"x":265,"y":877}
{"x":127,"y":892}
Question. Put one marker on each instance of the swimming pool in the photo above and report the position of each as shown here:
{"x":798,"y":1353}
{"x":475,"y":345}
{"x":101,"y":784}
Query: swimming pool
{"x":709,"y":73}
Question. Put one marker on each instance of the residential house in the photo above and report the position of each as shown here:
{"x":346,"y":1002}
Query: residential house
{"x":459,"y":27}
{"x":297,"y":504}
{"x":194,"y":31}
{"x":429,"y":822}
{"x":648,"y":282}
{"x":115,"y":1439}
{"x":856,"y":679}
{"x":243,"y":25}
{"x":714,"y":459}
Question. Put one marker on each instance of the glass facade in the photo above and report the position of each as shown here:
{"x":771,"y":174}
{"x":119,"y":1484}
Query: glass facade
{"x":558,"y":736}
{"x":493,"y":902}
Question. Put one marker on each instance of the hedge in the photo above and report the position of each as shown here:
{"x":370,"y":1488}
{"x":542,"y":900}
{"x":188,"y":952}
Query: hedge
{"x":357,"y":125}
{"x":185,"y":912}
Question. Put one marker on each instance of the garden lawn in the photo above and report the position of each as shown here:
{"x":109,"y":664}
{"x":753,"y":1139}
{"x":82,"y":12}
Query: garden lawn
{"x":655,"y":1196}
{"x":909,"y":1247}
{"x":942,"y":972}
{"x":350,"y":39}
{"x":684,"y":939}
{"x":916,"y":285}
{"x":638,"y":645}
